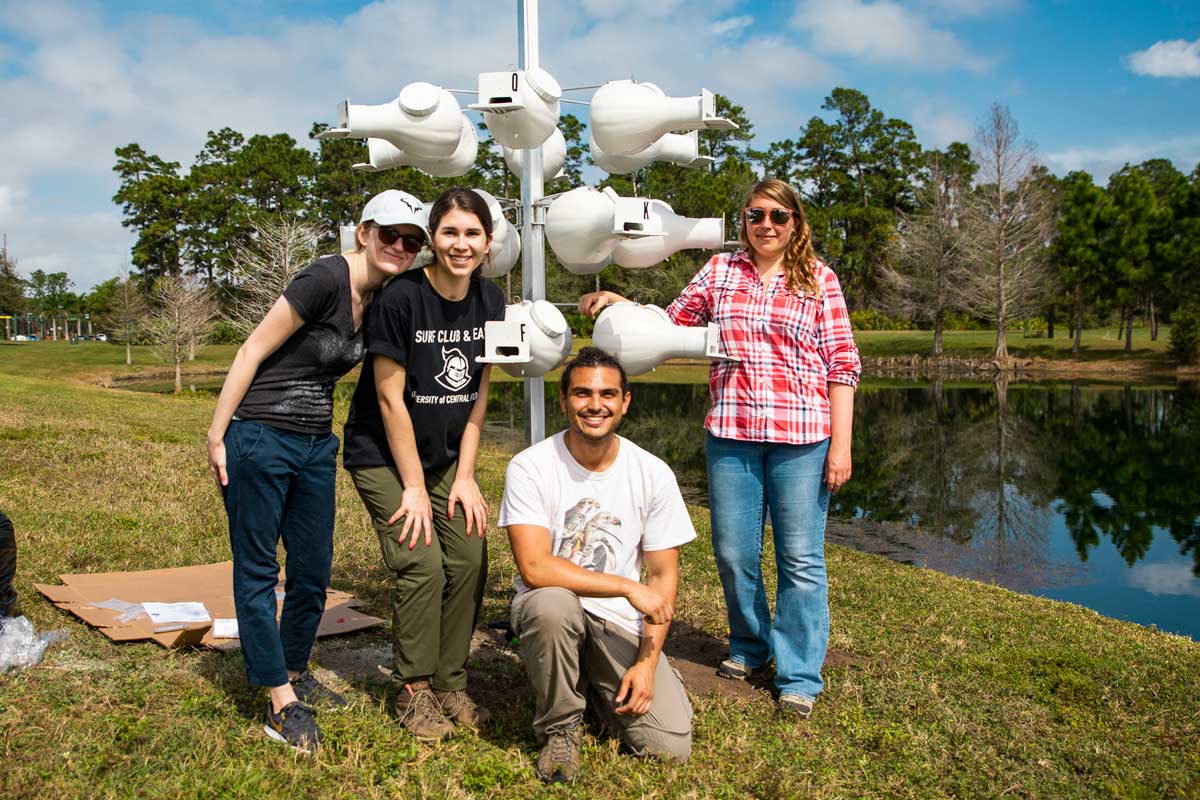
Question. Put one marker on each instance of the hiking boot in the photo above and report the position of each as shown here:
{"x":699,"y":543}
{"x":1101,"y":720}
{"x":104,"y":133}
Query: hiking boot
{"x":418,"y":711}
{"x":559,"y":761}
{"x":295,"y":725}
{"x":735,"y":670}
{"x":311,"y":691}
{"x":796,"y":705}
{"x":461,"y":708}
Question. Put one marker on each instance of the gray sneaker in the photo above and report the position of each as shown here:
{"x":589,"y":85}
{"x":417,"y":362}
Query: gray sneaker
{"x":796,"y":705}
{"x":295,"y":725}
{"x":735,"y":670}
{"x":559,"y":761}
{"x":310,"y":690}
{"x":418,"y":711}
{"x":460,"y":708}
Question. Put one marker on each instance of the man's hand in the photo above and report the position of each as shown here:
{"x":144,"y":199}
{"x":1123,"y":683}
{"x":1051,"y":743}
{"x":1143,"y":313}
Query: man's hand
{"x":418,"y":516}
{"x":637,"y":689}
{"x":656,"y":608}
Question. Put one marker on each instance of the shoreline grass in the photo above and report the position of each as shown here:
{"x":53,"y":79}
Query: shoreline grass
{"x":946,"y":688}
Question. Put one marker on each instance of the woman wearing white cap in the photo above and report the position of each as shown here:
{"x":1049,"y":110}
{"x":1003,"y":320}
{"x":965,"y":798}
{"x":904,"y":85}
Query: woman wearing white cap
{"x":411,"y":439}
{"x":273,"y":454}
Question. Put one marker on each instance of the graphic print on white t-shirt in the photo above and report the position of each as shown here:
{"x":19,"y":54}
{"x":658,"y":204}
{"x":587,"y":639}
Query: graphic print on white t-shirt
{"x":455,"y":373}
{"x":589,"y":536}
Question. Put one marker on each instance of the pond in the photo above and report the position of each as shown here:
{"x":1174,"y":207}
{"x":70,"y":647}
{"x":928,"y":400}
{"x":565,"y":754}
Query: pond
{"x":1089,"y":494}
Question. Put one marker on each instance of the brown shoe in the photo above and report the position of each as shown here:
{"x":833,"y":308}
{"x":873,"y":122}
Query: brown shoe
{"x":418,"y":711}
{"x":460,"y":708}
{"x":559,"y":761}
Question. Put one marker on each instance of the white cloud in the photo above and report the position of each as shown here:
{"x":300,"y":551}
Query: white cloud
{"x":1165,"y":578}
{"x":1176,"y":58}
{"x":937,"y":127}
{"x":732,"y":25}
{"x":1102,"y":161}
{"x":883,"y":32}
{"x":970,"y":8}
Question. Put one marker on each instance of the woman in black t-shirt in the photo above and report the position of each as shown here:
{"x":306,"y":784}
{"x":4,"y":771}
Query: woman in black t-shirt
{"x":411,"y":440}
{"x":273,"y":455}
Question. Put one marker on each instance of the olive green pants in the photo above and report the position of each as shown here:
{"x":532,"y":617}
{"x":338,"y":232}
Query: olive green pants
{"x":437,"y":588}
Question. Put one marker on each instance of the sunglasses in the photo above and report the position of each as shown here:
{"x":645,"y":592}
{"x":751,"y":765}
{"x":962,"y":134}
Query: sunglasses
{"x":779,"y":216}
{"x":389,"y":236}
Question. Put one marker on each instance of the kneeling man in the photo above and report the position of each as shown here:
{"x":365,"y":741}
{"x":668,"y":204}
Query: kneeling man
{"x":583,"y":510}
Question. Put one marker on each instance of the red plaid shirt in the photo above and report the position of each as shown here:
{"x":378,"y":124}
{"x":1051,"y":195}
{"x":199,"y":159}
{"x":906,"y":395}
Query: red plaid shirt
{"x":791,"y":347}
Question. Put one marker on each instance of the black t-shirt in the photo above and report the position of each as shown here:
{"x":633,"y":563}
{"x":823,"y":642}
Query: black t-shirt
{"x":293,"y":388}
{"x":437,"y":341}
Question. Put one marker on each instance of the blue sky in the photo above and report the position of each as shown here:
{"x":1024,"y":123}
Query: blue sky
{"x":1092,"y":84}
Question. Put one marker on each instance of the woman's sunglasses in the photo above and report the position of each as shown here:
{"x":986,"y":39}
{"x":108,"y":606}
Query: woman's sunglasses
{"x":389,"y":236}
{"x":779,"y":216}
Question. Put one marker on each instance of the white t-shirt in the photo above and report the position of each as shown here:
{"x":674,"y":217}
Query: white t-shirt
{"x":602,"y":521}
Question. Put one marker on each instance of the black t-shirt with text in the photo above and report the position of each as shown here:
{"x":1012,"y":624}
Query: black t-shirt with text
{"x":438,"y":342}
{"x":293,"y":388}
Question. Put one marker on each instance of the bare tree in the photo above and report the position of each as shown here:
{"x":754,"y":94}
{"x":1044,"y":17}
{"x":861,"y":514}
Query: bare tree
{"x":128,"y":315}
{"x":1008,"y":225}
{"x":930,"y":259}
{"x":181,"y":322}
{"x":265,"y":264}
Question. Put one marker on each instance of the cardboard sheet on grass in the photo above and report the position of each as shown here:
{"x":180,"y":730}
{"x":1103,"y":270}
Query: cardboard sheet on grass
{"x":210,"y":584}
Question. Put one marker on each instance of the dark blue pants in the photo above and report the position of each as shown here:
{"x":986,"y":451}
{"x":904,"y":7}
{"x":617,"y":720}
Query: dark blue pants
{"x":281,"y":485}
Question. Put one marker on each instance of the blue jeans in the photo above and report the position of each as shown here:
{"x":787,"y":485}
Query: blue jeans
{"x":745,"y":480}
{"x":281,"y":485}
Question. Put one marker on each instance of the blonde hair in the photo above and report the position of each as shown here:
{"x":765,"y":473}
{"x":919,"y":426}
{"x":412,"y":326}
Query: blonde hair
{"x":359,"y":228}
{"x":799,"y":260}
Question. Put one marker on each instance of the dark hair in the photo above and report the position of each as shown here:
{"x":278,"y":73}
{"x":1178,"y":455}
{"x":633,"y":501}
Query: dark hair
{"x":592,"y":357}
{"x":465,"y":200}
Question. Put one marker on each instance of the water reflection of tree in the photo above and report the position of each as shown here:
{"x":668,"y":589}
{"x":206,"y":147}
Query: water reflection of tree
{"x":1127,"y":464}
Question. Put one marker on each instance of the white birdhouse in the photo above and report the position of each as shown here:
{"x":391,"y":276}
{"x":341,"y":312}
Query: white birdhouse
{"x":674,"y":148}
{"x":533,"y":339}
{"x":506,"y":240}
{"x":642,"y":337}
{"x":584,"y":227}
{"x":627,"y":117}
{"x":425,"y":121}
{"x":554,"y":153}
{"x":519,"y":107}
{"x":382,"y":154}
{"x":670,"y":233}
{"x":346,"y":240}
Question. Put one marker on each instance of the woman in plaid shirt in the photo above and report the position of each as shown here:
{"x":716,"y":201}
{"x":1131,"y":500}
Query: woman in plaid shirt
{"x":778,"y":433}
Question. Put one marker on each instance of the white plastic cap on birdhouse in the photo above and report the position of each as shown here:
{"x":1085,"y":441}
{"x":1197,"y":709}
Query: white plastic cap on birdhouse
{"x":425,"y":121}
{"x":554,"y":153}
{"x":674,"y":148}
{"x":533,"y":339}
{"x":579,"y":226}
{"x":675,"y":233}
{"x":519,"y":107}
{"x":642,"y":337}
{"x":382,"y":154}
{"x":627,"y":117}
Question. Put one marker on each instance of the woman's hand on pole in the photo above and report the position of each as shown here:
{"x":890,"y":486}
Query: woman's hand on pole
{"x":465,"y":491}
{"x":418,"y":516}
{"x":593,"y":303}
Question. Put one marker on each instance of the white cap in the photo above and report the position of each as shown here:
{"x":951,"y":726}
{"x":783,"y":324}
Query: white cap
{"x":394,"y":207}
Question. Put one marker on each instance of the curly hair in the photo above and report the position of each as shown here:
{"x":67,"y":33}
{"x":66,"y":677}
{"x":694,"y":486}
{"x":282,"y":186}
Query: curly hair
{"x":799,"y":260}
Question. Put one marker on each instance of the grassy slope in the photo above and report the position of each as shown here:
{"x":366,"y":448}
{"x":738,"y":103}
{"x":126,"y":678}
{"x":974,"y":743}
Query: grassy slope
{"x":955,"y":688}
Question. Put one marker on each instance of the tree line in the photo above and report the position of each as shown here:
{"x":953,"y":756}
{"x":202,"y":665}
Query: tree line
{"x":973,"y":234}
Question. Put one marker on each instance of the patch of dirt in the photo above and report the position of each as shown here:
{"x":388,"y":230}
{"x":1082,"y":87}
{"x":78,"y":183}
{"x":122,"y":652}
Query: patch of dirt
{"x":497,"y":676}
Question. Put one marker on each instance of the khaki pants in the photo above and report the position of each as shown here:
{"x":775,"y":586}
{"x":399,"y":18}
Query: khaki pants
{"x":436,"y":589}
{"x":574,"y":658}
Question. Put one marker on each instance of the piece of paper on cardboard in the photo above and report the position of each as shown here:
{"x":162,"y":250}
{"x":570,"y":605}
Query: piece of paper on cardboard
{"x":176,"y":612}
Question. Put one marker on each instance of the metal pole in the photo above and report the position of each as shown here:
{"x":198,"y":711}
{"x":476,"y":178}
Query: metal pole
{"x":533,"y":232}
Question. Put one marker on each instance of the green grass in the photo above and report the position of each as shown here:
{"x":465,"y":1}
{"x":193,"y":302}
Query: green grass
{"x":1099,"y":344}
{"x":948,"y":688}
